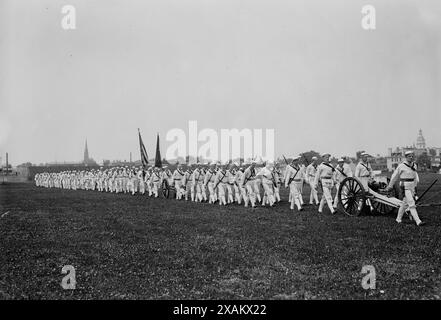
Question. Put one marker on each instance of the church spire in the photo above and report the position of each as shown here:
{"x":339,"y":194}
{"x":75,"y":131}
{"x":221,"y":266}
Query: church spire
{"x":86,"y":153}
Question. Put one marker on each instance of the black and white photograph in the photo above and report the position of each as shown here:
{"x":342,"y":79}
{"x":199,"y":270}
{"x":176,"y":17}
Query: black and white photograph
{"x":234,"y":152}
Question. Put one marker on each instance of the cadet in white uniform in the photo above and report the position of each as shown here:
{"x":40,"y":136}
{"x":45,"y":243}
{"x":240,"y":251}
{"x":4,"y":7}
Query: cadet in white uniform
{"x":302,"y":175}
{"x":310,"y":173}
{"x":198,"y":181}
{"x":293,"y":181}
{"x":230,"y":185}
{"x":155,"y":181}
{"x":178,"y":177}
{"x":187,"y":182}
{"x":242,"y":192}
{"x":248,"y":182}
{"x":324,"y":175}
{"x":342,"y":171}
{"x":220,"y":183}
{"x":209,"y":183}
{"x":268,"y":183}
{"x":140,"y":177}
{"x":407,"y":175}
{"x":363,"y":172}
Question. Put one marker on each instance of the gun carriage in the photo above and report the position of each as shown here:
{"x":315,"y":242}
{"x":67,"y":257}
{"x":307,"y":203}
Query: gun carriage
{"x":356,"y":199}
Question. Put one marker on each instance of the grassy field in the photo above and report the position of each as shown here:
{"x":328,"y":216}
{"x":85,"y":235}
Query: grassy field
{"x":135,"y":247}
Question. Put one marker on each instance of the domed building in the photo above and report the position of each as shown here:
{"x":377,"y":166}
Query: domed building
{"x":421,"y":142}
{"x":395,"y":157}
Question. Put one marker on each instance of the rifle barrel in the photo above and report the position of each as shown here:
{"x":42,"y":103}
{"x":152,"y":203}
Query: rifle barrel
{"x":430,"y":187}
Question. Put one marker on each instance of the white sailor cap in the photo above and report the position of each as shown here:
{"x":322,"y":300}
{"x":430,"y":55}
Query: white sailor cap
{"x":365,"y":154}
{"x":314,"y":158}
{"x":296,"y":158}
{"x":326,"y":154}
{"x":341,"y":160}
{"x":408,"y":153}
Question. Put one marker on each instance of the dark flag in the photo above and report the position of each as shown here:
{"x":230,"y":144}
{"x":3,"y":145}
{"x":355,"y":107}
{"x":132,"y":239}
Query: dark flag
{"x":144,"y":157}
{"x":158,"y":161}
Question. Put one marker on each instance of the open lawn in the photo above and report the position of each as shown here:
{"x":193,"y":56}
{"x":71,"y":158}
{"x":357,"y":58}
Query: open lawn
{"x":135,"y":247}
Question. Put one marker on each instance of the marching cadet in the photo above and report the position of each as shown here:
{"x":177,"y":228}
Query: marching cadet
{"x":231,"y":183}
{"x":131,"y":176}
{"x":155,"y":181}
{"x":187,"y":182}
{"x":248,"y":181}
{"x":122,"y":179}
{"x":268,"y":183}
{"x":342,"y":171}
{"x":109,"y":182}
{"x":178,"y":176}
{"x":167,"y":175}
{"x":197,"y":179}
{"x":117,"y":180}
{"x":135,"y":179}
{"x":204,"y":170}
{"x":324,"y":175}
{"x":302,"y":175}
{"x":220,"y":182}
{"x":93,"y":179}
{"x":99,"y":180}
{"x":210,"y":177}
{"x":407,"y":175}
{"x":363,"y":172}
{"x":140,"y":177}
{"x":216,"y":170}
{"x":105,"y":178}
{"x":293,"y":181}
{"x":242,"y":192}
{"x":310,"y":173}
{"x":279,"y":182}
{"x":257,"y":183}
{"x":148,"y":180}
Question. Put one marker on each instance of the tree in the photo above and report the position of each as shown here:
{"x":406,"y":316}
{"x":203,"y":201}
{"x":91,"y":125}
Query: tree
{"x":307,"y":156}
{"x":423,"y":161}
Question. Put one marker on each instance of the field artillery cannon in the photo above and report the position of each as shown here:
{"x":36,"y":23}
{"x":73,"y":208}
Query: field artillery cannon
{"x":353,"y":196}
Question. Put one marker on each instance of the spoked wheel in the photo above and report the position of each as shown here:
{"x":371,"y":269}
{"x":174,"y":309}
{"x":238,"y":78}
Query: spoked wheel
{"x":165,"y":189}
{"x":383,"y":208}
{"x":352,"y":196}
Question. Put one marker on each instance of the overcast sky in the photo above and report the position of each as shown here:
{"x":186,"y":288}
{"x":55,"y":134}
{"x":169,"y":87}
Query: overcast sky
{"x":303,"y":68}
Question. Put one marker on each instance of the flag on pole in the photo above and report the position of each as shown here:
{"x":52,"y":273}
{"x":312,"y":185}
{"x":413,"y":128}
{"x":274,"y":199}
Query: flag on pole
{"x":158,"y":161}
{"x":144,"y":157}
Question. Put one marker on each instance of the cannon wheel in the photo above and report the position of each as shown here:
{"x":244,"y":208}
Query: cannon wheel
{"x":352,"y":196}
{"x":382,"y":208}
{"x":165,"y":189}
